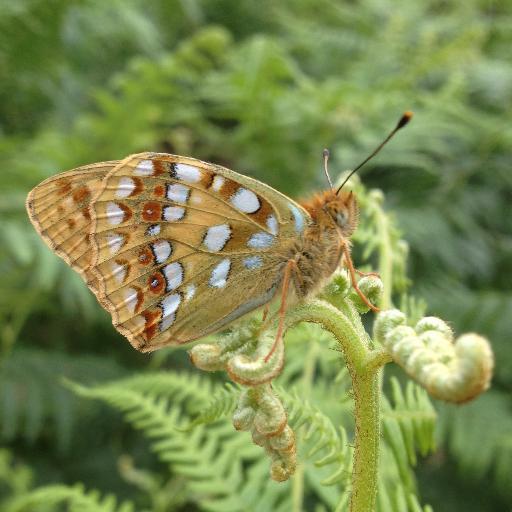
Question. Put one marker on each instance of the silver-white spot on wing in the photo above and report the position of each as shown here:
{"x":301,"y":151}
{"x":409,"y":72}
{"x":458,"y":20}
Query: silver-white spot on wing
{"x":115,"y":241}
{"x":245,"y":200}
{"x":144,"y":168}
{"x":130,"y":299}
{"x":219,"y":275}
{"x":161,"y":250}
{"x":169,"y":305}
{"x":260,"y":240}
{"x":217,"y":183}
{"x":125,"y":187}
{"x":187,"y":173}
{"x":272,"y":224}
{"x":297,"y":217}
{"x":217,"y":237}
{"x":177,"y":192}
{"x":190,"y":292}
{"x":173,"y":274}
{"x":167,"y":321}
{"x":172,"y":213}
{"x":118,"y":272}
{"x":115,"y":214}
{"x":253,"y":262}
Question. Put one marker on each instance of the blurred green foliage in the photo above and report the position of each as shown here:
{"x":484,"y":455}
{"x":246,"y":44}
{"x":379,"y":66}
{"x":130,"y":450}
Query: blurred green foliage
{"x":260,"y":87}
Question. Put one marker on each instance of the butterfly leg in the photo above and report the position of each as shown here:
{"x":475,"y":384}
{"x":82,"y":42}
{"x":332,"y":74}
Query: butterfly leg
{"x":365,"y":274}
{"x":290,"y":265}
{"x":352,"y":272}
{"x":265,"y":313}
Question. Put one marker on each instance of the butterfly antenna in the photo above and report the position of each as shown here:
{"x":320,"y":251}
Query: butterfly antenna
{"x":326,"y":170}
{"x":406,"y":117}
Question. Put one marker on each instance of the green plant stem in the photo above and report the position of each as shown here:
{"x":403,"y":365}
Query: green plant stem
{"x":365,"y":383}
{"x":378,"y":358}
{"x":366,"y":450}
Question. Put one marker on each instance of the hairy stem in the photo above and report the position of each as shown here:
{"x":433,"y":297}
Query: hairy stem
{"x":377,"y":359}
{"x":366,"y":451}
{"x":357,"y":353}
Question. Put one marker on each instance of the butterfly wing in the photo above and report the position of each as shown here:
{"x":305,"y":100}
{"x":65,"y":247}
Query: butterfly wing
{"x":59,"y":210}
{"x":181,"y":247}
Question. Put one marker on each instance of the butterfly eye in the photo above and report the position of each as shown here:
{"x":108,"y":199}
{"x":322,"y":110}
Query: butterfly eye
{"x":341,"y":219}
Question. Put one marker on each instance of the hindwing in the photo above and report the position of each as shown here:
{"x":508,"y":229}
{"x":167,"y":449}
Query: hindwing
{"x":59,"y":210}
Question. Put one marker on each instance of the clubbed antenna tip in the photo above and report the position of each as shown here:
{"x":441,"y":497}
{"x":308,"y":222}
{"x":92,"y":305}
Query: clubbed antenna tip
{"x":407,"y":116}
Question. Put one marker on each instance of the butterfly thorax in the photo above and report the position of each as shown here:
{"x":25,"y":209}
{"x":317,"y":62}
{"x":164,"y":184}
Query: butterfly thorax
{"x":333,"y":219}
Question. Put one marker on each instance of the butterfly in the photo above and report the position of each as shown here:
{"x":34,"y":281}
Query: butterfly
{"x":175,"y":248}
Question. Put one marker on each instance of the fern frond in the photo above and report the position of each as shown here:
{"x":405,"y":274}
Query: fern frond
{"x":77,"y":499}
{"x":409,"y":422}
{"x":211,"y":460}
{"x":462,"y":428}
{"x":30,"y":388}
{"x":193,"y":390}
{"x":326,"y":444}
{"x":397,"y":499}
{"x":223,"y":403}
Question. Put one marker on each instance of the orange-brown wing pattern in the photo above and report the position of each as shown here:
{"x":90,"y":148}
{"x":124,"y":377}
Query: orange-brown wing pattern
{"x":183,"y":247}
{"x":178,"y":248}
{"x":59,"y":210}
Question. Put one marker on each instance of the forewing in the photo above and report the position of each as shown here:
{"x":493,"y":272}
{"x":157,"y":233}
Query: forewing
{"x":182,"y":247}
{"x":59,"y":210}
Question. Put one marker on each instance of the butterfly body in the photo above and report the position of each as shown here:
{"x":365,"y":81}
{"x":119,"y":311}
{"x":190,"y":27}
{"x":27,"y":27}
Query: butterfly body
{"x":333,"y":219}
{"x":176,"y":248}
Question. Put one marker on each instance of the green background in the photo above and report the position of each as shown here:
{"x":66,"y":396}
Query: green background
{"x":261,"y":87}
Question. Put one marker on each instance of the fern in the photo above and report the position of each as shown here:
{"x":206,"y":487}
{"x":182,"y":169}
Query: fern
{"x":22,"y":497}
{"x":409,"y":423}
{"x":205,"y":458}
{"x":52,"y":497}
{"x":222,"y":404}
{"x":459,"y":429}
{"x":325,"y":445}
{"x":398,"y":500}
{"x":211,"y":460}
{"x":32,"y":399}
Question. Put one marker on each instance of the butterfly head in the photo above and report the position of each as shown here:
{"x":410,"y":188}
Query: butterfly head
{"x":344,"y":211}
{"x":339,"y":211}
{"x":339,"y":206}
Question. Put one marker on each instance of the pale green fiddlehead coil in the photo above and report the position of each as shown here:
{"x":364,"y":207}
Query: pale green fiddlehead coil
{"x":451,"y":370}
